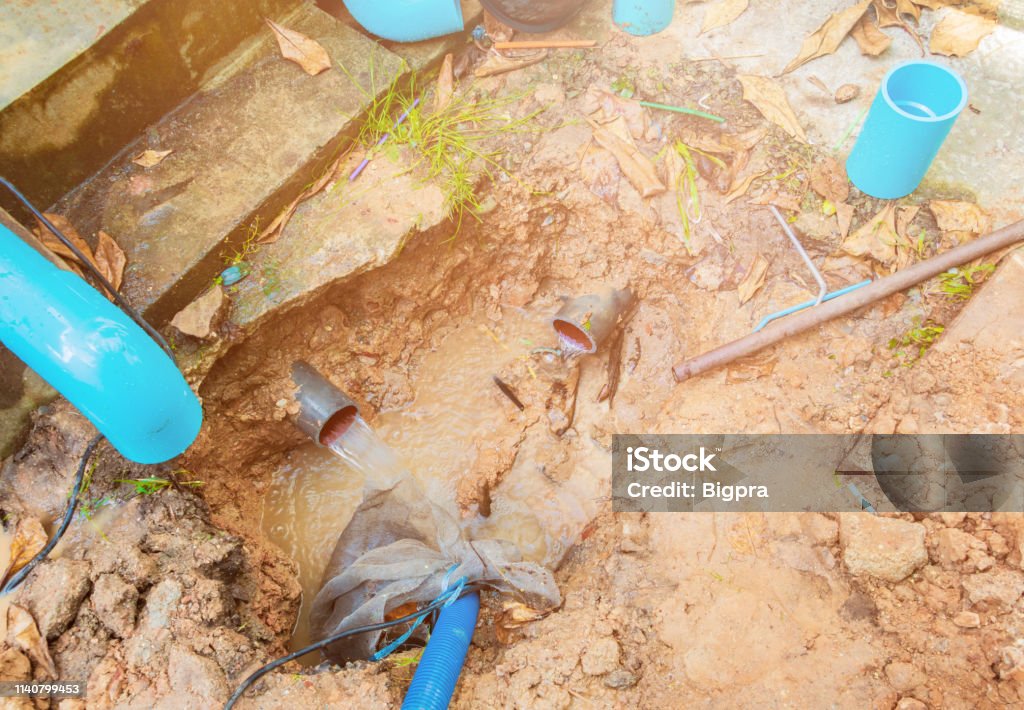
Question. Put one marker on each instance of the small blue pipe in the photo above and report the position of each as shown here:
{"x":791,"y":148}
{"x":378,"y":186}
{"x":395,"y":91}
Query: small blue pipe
{"x":408,"y":20}
{"x":441,"y":664}
{"x":913,"y":112}
{"x":807,"y":304}
{"x":94,"y":355}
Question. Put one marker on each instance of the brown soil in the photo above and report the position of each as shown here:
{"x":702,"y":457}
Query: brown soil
{"x":660,"y":611}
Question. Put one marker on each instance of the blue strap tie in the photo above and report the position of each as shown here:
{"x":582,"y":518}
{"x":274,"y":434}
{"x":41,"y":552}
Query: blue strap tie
{"x":447,"y":595}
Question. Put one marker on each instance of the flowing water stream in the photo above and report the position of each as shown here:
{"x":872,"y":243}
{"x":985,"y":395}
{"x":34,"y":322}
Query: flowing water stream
{"x":553,"y":489}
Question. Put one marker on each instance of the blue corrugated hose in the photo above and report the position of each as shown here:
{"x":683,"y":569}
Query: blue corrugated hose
{"x":439,"y":668}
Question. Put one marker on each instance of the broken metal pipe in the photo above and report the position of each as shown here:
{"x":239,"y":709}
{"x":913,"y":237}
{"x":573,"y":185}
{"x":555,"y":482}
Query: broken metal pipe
{"x":325,"y":412}
{"x":894,"y":283}
{"x":585,"y":322}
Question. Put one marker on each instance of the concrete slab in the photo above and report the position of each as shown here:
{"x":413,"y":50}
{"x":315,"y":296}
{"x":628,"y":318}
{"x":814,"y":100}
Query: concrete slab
{"x":82,"y":79}
{"x":241,"y":152}
{"x":993,"y":321}
{"x":981,"y":157}
{"x":972,"y":379}
{"x":38,"y":38}
{"x":349,"y":228}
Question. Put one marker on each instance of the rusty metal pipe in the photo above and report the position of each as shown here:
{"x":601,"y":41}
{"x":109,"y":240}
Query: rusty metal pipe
{"x":586,"y":321}
{"x":900,"y":281}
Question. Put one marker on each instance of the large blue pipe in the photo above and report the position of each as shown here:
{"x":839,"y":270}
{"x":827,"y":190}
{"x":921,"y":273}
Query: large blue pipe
{"x":441,"y":664}
{"x":408,"y":20}
{"x":94,"y":355}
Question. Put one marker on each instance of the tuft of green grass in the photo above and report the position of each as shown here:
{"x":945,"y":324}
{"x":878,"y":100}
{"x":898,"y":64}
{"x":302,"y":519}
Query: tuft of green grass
{"x":248,"y":248}
{"x":959,"y":283}
{"x":624,"y":86}
{"x":912,"y":345}
{"x":687,"y":196}
{"x":451,"y":145}
{"x":154,"y":484}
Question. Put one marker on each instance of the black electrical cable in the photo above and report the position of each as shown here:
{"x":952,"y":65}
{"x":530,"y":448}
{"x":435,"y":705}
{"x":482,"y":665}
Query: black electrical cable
{"x":118,"y":299}
{"x":69,"y":513}
{"x":236,"y":696}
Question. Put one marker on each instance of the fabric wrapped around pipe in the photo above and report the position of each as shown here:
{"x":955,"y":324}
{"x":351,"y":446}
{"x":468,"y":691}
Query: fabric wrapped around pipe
{"x":401,"y":547}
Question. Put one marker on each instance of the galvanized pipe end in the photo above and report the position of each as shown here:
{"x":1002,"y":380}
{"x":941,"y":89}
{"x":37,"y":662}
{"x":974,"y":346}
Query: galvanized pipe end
{"x":325,"y":412}
{"x":584,"y":323}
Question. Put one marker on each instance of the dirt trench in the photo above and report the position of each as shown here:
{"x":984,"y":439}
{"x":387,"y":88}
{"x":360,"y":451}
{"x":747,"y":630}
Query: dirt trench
{"x":660,"y":611}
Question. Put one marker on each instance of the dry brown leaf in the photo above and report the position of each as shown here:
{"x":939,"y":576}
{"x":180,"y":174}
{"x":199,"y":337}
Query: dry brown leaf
{"x":635,"y":165}
{"x":272,"y":232}
{"x":819,"y":84}
{"x":722,"y":13}
{"x":445,"y":85}
{"x":844,"y":218}
{"x":871,"y":40}
{"x":200,"y":318}
{"x":905,"y":216}
{"x":988,"y":8}
{"x":876,"y":238}
{"x":515,"y":614}
{"x":828,"y":179}
{"x":739,"y":188}
{"x":23,"y":634}
{"x":827,"y":38}
{"x":770,"y":99}
{"x":110,"y":259}
{"x":299,"y":48}
{"x":28,"y":539}
{"x":889,"y":16}
{"x":753,"y":367}
{"x":783,"y":201}
{"x":742,"y":141}
{"x":961,"y":220}
{"x":604,"y":107}
{"x":959,"y":33}
{"x":754,"y":279}
{"x":149,"y":158}
{"x":499,"y":64}
{"x":51,"y":242}
{"x":907,"y":7}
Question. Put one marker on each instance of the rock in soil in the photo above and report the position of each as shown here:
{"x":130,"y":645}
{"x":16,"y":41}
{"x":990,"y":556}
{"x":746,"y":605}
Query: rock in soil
{"x":114,"y":601}
{"x":601,"y":657}
{"x":885,"y":548}
{"x":53,"y":593}
{"x":999,"y":589}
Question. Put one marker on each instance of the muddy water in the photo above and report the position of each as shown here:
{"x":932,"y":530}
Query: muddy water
{"x":544,"y":501}
{"x":309,"y":502}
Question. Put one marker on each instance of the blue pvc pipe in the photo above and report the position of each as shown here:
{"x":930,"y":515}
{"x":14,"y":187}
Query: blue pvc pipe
{"x":643,"y":17}
{"x":408,"y":20}
{"x":441,"y":664}
{"x":913,"y":112}
{"x":94,"y":355}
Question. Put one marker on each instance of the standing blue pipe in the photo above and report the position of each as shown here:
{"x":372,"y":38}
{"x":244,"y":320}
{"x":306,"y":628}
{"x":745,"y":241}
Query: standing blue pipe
{"x":439,"y":668}
{"x":913,"y":112}
{"x":94,"y":355}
